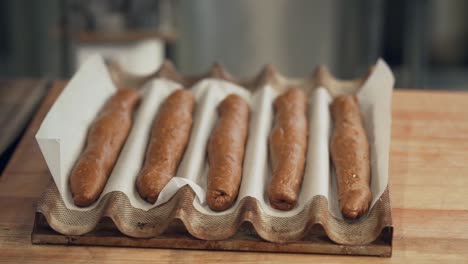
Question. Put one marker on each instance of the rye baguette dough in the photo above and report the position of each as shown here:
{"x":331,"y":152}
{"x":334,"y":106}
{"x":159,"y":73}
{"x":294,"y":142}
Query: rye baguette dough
{"x":288,"y":145}
{"x":350,"y":156}
{"x":170,"y":135}
{"x":104,"y":142}
{"x":226,"y":149}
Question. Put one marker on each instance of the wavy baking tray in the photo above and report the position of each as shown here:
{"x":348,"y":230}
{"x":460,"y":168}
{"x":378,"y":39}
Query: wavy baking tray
{"x":140,"y":223}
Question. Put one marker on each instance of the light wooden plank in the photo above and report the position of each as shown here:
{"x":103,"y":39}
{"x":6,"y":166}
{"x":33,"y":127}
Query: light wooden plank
{"x":418,"y":250}
{"x":428,"y":182}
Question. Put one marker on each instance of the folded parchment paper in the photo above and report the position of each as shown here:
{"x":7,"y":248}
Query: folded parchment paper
{"x":62,"y":136}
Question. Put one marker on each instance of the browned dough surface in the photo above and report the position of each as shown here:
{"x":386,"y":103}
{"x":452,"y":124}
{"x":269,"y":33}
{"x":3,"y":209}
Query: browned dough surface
{"x":288,"y":145}
{"x":105,"y":140}
{"x":226,"y":152}
{"x":350,"y":156}
{"x":170,"y":135}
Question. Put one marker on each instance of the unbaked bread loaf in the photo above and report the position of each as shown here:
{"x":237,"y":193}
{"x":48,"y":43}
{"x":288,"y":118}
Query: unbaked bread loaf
{"x":350,"y":156}
{"x":104,"y":142}
{"x":170,"y":135}
{"x":288,"y":145}
{"x":226,"y":149}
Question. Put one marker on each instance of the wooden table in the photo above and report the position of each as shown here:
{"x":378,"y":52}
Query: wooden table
{"x":19,"y":98}
{"x":428,"y":177}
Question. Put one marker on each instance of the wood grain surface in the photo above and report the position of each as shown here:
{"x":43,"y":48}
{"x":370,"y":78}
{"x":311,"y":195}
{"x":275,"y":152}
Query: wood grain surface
{"x":18,"y":100}
{"x":428,"y":183}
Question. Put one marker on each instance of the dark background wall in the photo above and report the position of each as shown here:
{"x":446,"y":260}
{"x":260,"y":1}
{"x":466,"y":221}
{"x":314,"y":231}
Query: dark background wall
{"x":423,"y":40}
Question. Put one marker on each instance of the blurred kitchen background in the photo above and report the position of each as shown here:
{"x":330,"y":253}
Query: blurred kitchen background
{"x":424,"y":41}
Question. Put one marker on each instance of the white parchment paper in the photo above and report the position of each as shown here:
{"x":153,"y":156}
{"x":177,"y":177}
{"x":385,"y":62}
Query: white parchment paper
{"x":62,"y":136}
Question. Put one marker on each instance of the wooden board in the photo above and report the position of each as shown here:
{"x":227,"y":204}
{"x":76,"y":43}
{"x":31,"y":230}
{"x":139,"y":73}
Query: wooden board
{"x":106,"y":234}
{"x":428,"y":181}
